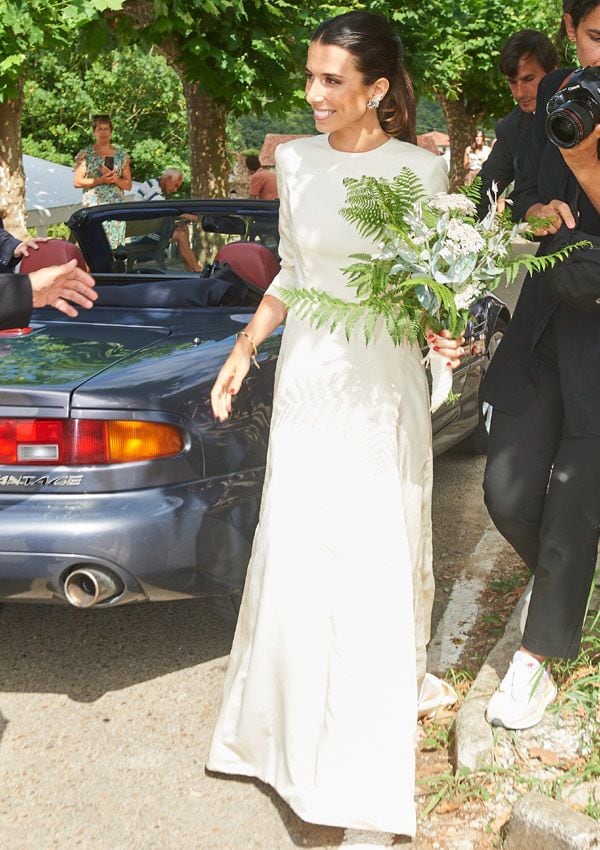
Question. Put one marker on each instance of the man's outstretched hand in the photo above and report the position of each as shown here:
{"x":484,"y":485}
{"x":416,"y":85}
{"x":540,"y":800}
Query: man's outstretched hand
{"x":63,"y":286}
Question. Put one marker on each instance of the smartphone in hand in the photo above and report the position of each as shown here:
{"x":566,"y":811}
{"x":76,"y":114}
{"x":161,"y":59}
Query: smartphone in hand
{"x":109,"y":162}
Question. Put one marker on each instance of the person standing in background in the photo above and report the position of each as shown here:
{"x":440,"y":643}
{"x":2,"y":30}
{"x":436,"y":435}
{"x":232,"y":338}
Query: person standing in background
{"x":263,"y":181}
{"x":103,"y":171}
{"x":526,"y":58}
{"x":157,"y":189}
{"x":475,"y":155}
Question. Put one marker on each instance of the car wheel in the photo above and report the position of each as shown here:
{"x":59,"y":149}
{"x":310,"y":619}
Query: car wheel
{"x":477,"y":441}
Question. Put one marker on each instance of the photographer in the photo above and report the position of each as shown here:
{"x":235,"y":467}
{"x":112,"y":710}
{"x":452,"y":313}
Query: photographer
{"x":542,"y":480}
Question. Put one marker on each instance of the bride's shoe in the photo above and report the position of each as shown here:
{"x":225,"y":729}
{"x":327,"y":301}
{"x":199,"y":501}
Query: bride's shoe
{"x":434,"y":694}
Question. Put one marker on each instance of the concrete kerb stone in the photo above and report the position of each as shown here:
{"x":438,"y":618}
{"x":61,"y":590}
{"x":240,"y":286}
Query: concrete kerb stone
{"x":537,"y":822}
{"x":474,"y":740}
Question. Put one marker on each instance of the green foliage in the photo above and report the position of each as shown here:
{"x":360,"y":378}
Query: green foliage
{"x":452,"y":46}
{"x":246,"y":54}
{"x":429,"y":116}
{"x":539,"y":264}
{"x":375,"y":206}
{"x":27,"y":27}
{"x":136,"y":88}
{"x":253,"y":127}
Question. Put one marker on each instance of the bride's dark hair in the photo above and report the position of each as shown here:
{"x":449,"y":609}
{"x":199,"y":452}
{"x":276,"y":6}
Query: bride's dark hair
{"x":377,"y":52}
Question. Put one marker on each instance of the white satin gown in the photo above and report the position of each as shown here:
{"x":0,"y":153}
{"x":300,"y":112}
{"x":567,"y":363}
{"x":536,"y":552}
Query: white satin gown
{"x":320,"y":698}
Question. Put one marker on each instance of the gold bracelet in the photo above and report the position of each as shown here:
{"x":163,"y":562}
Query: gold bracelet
{"x":254,"y":347}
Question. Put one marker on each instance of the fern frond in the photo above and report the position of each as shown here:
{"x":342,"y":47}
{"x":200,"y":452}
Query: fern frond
{"x":472,"y":192}
{"x":374,"y":205}
{"x":533,"y":263}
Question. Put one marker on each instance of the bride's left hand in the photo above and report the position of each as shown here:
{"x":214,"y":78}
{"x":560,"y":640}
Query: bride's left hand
{"x":446,"y":346}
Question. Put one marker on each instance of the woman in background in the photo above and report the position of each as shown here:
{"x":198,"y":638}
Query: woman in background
{"x":475,"y":155}
{"x":103,"y":171}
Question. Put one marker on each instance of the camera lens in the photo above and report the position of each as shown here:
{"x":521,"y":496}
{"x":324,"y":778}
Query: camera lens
{"x":570,"y":124}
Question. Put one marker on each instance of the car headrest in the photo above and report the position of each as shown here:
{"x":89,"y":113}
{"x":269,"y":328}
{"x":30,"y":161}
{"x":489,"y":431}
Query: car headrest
{"x":55,"y":252}
{"x":251,"y":261}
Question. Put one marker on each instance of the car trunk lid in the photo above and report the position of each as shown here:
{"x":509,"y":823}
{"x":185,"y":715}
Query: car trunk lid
{"x":41,"y":367}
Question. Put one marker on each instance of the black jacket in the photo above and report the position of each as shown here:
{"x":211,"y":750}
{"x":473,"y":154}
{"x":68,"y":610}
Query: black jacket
{"x":500,"y":164}
{"x":8,"y":243}
{"x":511,"y":380}
{"x":15,"y":301}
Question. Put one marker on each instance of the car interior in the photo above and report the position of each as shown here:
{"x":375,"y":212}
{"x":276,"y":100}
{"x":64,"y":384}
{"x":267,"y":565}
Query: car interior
{"x":237,"y":253}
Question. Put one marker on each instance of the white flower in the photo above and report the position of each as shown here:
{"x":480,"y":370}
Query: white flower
{"x":464,"y":237}
{"x":466,"y":296}
{"x":455,"y":203}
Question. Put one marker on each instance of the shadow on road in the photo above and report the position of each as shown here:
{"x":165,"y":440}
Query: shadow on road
{"x":84,"y":654}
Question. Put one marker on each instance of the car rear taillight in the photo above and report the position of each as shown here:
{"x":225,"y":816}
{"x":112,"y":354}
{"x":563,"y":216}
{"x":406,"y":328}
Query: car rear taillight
{"x":70,"y":442}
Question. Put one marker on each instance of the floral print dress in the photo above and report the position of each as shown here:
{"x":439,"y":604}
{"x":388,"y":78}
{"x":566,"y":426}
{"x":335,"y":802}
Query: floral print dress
{"x":106,"y":193}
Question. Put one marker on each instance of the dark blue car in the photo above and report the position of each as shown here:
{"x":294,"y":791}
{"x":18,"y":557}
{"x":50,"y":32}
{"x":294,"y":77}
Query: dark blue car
{"x":116,"y":483}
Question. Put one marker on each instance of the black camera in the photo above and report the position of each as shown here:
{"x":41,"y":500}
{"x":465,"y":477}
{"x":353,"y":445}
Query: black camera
{"x":574,"y":111}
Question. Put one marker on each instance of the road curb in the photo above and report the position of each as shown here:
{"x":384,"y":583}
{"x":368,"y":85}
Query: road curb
{"x":474,"y":741}
{"x":540,"y":823}
{"x":537,"y":822}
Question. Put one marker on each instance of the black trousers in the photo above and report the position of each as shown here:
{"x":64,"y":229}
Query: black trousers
{"x":542,"y":490}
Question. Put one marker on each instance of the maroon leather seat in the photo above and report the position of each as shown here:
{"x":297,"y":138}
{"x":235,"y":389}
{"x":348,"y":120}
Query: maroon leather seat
{"x":251,"y":260}
{"x":55,"y":252}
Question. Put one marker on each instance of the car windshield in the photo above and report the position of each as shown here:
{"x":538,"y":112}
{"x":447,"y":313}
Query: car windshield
{"x":181,"y":243}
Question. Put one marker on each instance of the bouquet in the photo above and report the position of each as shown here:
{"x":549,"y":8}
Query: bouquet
{"x":433,"y":259}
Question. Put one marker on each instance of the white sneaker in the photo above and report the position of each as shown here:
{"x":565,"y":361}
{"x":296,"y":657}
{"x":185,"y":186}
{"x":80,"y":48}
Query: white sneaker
{"x":523,"y":696}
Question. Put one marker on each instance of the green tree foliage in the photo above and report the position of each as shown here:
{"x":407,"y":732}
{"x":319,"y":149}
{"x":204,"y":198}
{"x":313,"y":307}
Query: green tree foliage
{"x":233,"y":56}
{"x":253,"y":128}
{"x":28,"y":27}
{"x":136,"y":88}
{"x":452,"y":49}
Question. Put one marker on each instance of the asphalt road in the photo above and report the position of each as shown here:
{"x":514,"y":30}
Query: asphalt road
{"x":105,"y":717}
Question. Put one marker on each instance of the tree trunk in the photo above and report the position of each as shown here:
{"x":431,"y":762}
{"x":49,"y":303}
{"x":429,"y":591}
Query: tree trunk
{"x":209,"y":161}
{"x":461,"y":130}
{"x":12,"y":175}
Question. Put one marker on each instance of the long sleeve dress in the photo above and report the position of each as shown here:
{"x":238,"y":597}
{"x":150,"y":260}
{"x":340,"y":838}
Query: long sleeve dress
{"x":320,"y":698}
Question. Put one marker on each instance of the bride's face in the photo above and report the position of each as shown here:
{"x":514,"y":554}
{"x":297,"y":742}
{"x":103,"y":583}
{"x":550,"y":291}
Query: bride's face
{"x":336,"y":91}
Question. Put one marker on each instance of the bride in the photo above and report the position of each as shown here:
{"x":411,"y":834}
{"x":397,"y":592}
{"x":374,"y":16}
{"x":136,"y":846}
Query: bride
{"x":320,"y":698}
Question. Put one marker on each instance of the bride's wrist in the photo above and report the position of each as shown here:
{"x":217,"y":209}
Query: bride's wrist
{"x":248,"y":345}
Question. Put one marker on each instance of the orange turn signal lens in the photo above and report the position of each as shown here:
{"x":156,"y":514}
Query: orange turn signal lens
{"x":134,"y":441}
{"x":76,"y":442}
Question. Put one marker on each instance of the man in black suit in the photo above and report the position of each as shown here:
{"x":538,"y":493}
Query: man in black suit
{"x":525,"y":59}
{"x":55,"y":286}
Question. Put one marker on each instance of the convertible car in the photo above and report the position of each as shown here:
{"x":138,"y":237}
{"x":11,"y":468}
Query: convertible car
{"x":116,"y":483}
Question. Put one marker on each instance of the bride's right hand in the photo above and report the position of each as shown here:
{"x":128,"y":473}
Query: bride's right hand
{"x":229,"y":380}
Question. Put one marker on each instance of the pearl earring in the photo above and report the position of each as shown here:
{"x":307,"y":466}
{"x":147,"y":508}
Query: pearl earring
{"x":373,"y":102}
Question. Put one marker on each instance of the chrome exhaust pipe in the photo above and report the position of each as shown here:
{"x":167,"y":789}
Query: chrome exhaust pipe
{"x":87,"y":586}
